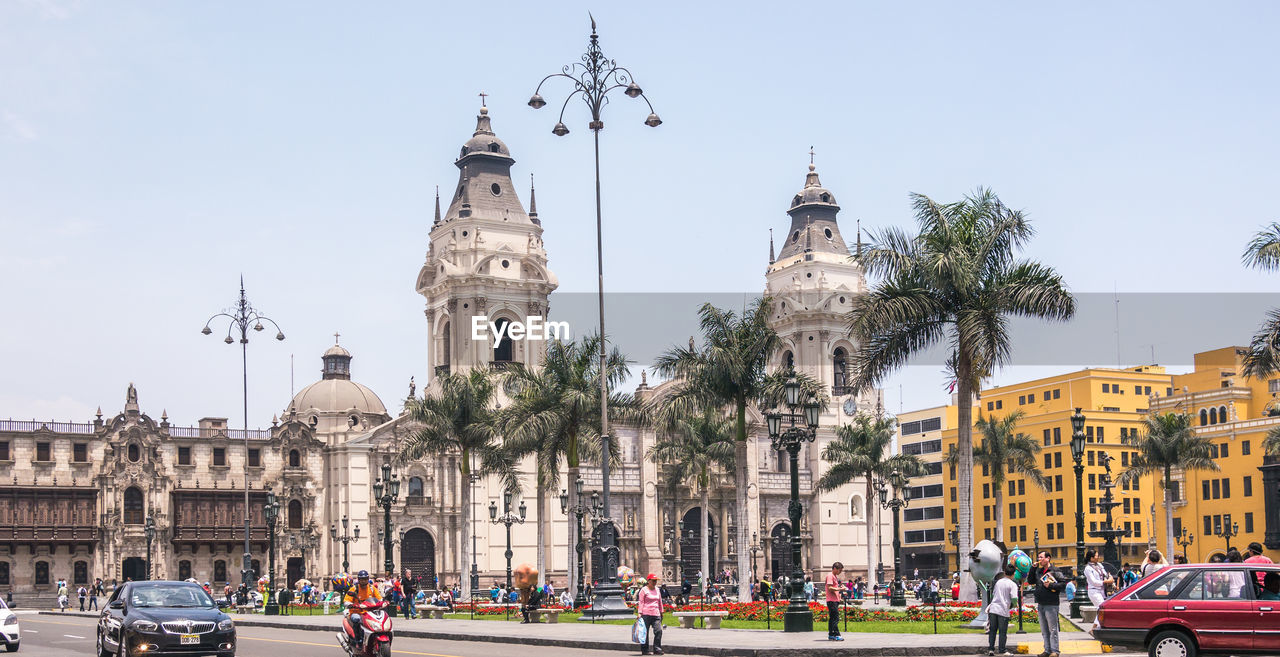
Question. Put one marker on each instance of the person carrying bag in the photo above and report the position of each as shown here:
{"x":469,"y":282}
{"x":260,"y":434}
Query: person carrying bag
{"x":649,"y":608}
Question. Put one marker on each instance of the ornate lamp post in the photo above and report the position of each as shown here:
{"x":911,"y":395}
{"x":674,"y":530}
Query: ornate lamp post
{"x":475,"y":569}
{"x":344,"y":539}
{"x":755,"y":551}
{"x":508,"y":519}
{"x":1077,"y":454}
{"x":954,"y":537}
{"x":593,"y":79}
{"x":1185,"y":539}
{"x":390,"y":484}
{"x":579,"y":510}
{"x":243,"y":317}
{"x":897,"y":500}
{"x":150,"y":531}
{"x":1228,"y":533}
{"x":271,"y":511}
{"x":798,"y":617}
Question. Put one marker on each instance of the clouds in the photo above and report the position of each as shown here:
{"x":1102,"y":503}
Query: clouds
{"x":17,"y":128}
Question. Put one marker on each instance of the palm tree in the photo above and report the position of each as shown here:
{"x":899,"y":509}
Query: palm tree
{"x":460,"y":419}
{"x":1004,"y":451}
{"x":957,"y":282}
{"x":1263,"y":359}
{"x":1167,"y":443}
{"x":730,"y":372}
{"x":554,"y":415}
{"x":694,"y":447}
{"x":861,"y":450}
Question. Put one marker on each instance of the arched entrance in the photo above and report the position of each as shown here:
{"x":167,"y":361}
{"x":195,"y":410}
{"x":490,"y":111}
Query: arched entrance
{"x":691,"y":545}
{"x":780,"y":552}
{"x":133,"y":569}
{"x":294,"y":570}
{"x":418,"y":553}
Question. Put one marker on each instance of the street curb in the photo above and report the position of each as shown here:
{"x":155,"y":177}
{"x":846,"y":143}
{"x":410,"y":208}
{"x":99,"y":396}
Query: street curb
{"x":588,"y":644}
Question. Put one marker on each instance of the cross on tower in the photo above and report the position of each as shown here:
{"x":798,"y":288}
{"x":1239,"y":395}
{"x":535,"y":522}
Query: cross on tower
{"x":335,"y":337}
{"x":810,"y":155}
{"x":483,"y":95}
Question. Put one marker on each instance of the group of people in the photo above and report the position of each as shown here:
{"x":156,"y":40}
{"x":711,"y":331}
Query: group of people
{"x":85,"y":593}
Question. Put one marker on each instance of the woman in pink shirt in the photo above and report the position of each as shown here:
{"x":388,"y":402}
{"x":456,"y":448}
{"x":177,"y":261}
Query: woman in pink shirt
{"x":649,"y":606}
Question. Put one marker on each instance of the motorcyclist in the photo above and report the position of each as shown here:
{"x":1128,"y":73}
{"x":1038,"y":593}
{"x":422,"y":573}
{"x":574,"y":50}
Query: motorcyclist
{"x":362,"y":592}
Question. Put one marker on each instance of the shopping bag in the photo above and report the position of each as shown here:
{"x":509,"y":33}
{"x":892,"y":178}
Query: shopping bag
{"x":639,"y":633}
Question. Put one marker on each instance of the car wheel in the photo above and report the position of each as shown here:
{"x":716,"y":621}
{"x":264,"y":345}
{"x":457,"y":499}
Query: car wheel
{"x":1171,"y":644}
{"x":12,"y":647}
{"x":102,"y":646}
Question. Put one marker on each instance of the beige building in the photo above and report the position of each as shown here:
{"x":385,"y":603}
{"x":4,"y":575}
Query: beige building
{"x":925,"y":545}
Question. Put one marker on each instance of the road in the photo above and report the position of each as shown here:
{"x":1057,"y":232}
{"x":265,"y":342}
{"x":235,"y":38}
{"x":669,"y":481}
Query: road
{"x":72,"y":636}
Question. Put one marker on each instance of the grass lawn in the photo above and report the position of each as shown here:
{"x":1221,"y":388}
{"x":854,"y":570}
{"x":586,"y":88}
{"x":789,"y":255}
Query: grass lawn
{"x":888,"y":627}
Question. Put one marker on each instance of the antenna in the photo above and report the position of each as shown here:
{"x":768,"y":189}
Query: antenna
{"x":1116,"y":295}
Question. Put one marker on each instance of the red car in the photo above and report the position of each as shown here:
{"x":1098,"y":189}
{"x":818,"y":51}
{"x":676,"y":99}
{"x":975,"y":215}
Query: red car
{"x":1181,"y":611}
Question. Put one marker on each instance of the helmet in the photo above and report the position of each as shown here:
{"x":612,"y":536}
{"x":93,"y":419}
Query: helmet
{"x":364,"y":574}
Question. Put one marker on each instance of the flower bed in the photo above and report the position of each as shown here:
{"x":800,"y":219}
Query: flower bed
{"x":951,"y":612}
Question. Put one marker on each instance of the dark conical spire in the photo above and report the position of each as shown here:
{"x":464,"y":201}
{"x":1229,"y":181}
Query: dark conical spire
{"x":533,"y":202}
{"x":771,"y":258}
{"x":859,"y":246}
{"x":437,"y":220}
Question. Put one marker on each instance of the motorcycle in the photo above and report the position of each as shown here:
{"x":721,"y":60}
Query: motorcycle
{"x":377,"y":631}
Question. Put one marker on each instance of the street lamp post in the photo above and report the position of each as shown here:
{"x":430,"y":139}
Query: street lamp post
{"x":243,"y":317}
{"x":593,"y":79}
{"x":475,"y":569}
{"x":798,"y":616}
{"x":579,"y":511}
{"x":897,"y":500}
{"x":954,"y":537}
{"x":1228,"y":533}
{"x":1081,"y":598}
{"x":271,"y":511}
{"x":344,"y":539}
{"x":1185,"y":539}
{"x":508,"y":519}
{"x":150,"y":531}
{"x":755,"y":551}
{"x":390,"y":484}
{"x":1036,"y":538}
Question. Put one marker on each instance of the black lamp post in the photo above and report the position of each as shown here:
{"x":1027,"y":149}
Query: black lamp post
{"x":344,"y":539}
{"x":579,"y":510}
{"x":798,"y":616}
{"x":1035,"y":535}
{"x":897,"y":500}
{"x":475,"y":569}
{"x":508,"y":519}
{"x":390,"y":484}
{"x":1228,"y":533}
{"x":1185,"y":539}
{"x":271,"y":511}
{"x":954,"y":537}
{"x":593,"y":79}
{"x":755,"y":551}
{"x":243,"y":317}
{"x":150,"y":530}
{"x":1077,"y":454}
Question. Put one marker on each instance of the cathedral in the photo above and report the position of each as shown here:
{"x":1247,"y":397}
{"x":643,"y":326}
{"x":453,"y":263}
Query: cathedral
{"x":123,"y":493}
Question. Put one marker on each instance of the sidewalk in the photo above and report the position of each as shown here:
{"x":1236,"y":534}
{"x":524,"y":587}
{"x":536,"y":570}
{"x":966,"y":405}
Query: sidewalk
{"x":713,"y":643}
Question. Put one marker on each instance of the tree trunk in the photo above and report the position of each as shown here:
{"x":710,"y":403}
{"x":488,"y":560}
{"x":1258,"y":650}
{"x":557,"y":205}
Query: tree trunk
{"x":1168,"y":515}
{"x":464,"y":549}
{"x":964,"y":471}
{"x":706,"y":545}
{"x":572,"y":540}
{"x":872,"y":518}
{"x":999,"y":491}
{"x":541,"y":504}
{"x":745,"y":522}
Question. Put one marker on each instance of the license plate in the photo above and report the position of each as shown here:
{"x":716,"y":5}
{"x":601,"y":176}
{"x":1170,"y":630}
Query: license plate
{"x":189,"y":640}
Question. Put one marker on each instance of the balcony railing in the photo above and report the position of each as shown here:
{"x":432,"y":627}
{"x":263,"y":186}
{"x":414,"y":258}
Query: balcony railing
{"x":206,"y":432}
{"x":207,"y":533}
{"x":59,"y":533}
{"x":36,"y":425}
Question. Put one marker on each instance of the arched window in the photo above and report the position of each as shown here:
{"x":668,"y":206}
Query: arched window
{"x":446,"y":339}
{"x":4,"y":573}
{"x":840,"y":380}
{"x":80,"y":573}
{"x":42,"y":573}
{"x":295,"y":458}
{"x":855,"y":508}
{"x":184,"y":569}
{"x":134,"y":452}
{"x":1222,"y":413}
{"x":295,"y":514}
{"x":502,"y":349}
{"x":493,"y":148}
{"x":1213,"y":416}
{"x":788,"y":361}
{"x":1204,"y":417}
{"x":220,"y":571}
{"x":415,"y":487}
{"x":133,"y":506}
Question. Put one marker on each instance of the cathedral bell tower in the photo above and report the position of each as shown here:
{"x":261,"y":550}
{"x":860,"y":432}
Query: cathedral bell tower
{"x":813,"y":282}
{"x":486,"y":269}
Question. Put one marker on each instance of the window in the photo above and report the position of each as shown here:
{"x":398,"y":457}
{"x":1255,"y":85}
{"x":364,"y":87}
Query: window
{"x":923,"y":513}
{"x":953,"y":493}
{"x":1124,"y":459}
{"x":1090,"y":457}
{"x":1088,"y":434}
{"x":986,"y":470}
{"x":42,"y":452}
{"x":924,"y":536}
{"x":1046,"y":437}
{"x":295,"y":459}
{"x":134,"y":452}
{"x":1175,"y":492}
{"x":1137,"y":529}
{"x":42,"y":573}
{"x":1208,"y":528}
{"x":1177,"y":526}
{"x":1213,"y":416}
{"x":1225,"y":451}
{"x":1048,"y":507}
{"x":840,"y":369}
{"x":1248,"y":486}
{"x":788,"y":360}
{"x":1048,"y":461}
{"x":1136,"y":483}
{"x":1248,"y":522}
{"x":1022,"y":400}
{"x":133,"y":506}
{"x":1102,"y":433}
{"x":1058,"y":505}
{"x":955,"y":517}
{"x":1012,"y":488}
{"x":80,"y":453}
{"x":986,"y":490}
{"x":1057,"y":392}
{"x":184,"y":456}
{"x":1048,"y":394}
{"x":1162,"y":587}
{"x":4,"y":573}
{"x":502,"y":349}
{"x":1213,"y":451}
{"x":1137,"y":390}
{"x":1013,"y":511}
{"x":1061,"y":534}
{"x":255,"y":458}
{"x":1226,"y":488}
{"x":1106,"y":387}
{"x":219,"y":456}
{"x":999,"y":404}
{"x":991,"y":406}
{"x":934,"y":468}
{"x":1022,"y":486}
{"x":295,"y":514}
{"x":1022,"y":509}
{"x":1050,"y":531}
{"x":1057,"y":435}
{"x":4,"y":450}
{"x":1217,"y":488}
{"x":1217,"y":525}
{"x":1031,"y":398}
{"x":1093,"y":526}
{"x":922,"y":447}
{"x":184,"y":569}
{"x":1204,"y":493}
{"x":1244,"y":448}
{"x":1093,"y":481}
{"x":1222,"y":412}
{"x":1217,"y":585}
{"x":932,"y":490}
{"x":1057,"y":481}
{"x":1146,"y":390}
{"x":220,"y":571}
{"x":1204,"y":417}
{"x":986,"y":514}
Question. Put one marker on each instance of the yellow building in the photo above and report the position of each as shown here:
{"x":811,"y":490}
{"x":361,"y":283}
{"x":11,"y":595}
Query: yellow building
{"x":1235,"y":413}
{"x":1114,"y":403}
{"x":924,"y":531}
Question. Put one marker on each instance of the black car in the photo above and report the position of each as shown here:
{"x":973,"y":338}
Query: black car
{"x":164,"y":618}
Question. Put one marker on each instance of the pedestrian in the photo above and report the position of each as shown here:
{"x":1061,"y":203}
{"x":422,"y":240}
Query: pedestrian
{"x":1049,"y":585}
{"x":1002,"y":595}
{"x":832,"y":590}
{"x":82,"y":593}
{"x":62,"y":596}
{"x":1154,"y":562}
{"x":409,"y":587}
{"x":808,"y":589}
{"x":1096,"y":577}
{"x":95,"y":590}
{"x":531,"y":603}
{"x":649,"y":609}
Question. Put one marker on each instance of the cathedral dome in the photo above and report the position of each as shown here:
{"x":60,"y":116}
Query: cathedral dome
{"x":813,"y":193}
{"x":484,"y":140}
{"x":336,"y":392}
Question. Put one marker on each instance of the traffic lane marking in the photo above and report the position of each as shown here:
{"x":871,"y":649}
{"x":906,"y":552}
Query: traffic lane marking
{"x":329,"y":645}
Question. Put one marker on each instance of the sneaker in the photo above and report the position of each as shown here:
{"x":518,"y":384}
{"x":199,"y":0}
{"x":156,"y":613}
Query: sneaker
{"x":991,"y":653}
{"x":1044,"y":654}
{"x":836,"y":638}
{"x":1053,"y":654}
{"x":657,"y":651}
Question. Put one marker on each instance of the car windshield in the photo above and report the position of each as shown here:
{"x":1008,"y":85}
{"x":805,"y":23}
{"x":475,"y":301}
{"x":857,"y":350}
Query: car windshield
{"x":175,"y":595}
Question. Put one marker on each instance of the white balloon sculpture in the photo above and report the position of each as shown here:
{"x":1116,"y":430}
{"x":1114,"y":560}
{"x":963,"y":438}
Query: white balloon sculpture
{"x":984,"y":562}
